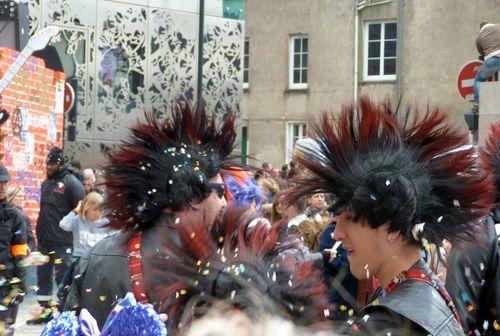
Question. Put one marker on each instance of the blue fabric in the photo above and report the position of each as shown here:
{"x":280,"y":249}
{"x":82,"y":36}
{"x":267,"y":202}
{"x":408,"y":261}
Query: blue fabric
{"x":490,"y":67}
{"x":64,"y":324}
{"x":339,"y":266}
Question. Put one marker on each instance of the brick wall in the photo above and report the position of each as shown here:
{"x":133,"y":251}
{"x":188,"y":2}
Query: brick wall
{"x":35,"y":101}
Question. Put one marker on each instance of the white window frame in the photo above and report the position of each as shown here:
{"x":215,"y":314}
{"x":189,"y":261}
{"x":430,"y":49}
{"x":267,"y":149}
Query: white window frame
{"x":246,"y":52}
{"x":379,"y":77}
{"x":291,"y":66}
{"x":289,"y":137}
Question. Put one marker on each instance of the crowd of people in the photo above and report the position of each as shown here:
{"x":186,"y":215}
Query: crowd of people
{"x":382,"y":224}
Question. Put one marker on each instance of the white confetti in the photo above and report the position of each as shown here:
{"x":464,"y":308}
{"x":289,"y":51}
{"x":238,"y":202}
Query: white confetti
{"x":417,"y":229}
{"x":387,"y":182}
{"x":440,"y":218}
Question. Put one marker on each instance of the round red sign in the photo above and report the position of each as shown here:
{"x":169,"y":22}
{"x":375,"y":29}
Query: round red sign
{"x":465,"y":81}
{"x":69,"y":97}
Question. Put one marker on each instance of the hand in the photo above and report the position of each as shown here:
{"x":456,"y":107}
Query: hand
{"x":78,"y":208}
{"x":333,"y":254}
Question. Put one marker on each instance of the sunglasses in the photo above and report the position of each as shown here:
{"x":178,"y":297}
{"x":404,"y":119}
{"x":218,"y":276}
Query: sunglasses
{"x":219,"y":188}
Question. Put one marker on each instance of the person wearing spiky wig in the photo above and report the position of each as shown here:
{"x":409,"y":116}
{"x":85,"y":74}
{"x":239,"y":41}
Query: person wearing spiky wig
{"x":242,"y":262}
{"x":162,"y":169}
{"x":400,"y":183}
{"x":473,"y":267}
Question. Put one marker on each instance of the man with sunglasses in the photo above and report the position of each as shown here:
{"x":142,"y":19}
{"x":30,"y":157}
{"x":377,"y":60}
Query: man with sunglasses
{"x":164,"y":171}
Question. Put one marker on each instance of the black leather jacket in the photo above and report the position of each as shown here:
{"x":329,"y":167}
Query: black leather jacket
{"x":412,"y":308}
{"x":473,"y":279}
{"x":102,"y":278}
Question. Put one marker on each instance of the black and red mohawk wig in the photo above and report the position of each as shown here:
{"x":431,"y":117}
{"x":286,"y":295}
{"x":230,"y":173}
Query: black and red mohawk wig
{"x":166,"y":164}
{"x":244,"y":262}
{"x":416,"y":173}
{"x":491,"y":156}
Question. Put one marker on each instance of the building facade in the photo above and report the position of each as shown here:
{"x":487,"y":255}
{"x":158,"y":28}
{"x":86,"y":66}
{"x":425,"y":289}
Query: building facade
{"x":125,"y":56}
{"x":307,"y":56}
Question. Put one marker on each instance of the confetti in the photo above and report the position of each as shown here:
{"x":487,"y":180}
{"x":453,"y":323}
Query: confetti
{"x":350,"y":312}
{"x":387,"y":182}
{"x":102,"y":298}
{"x":326,"y":312}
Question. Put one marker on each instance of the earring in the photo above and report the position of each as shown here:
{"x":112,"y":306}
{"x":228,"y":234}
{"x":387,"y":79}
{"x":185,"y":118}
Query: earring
{"x":389,"y":239}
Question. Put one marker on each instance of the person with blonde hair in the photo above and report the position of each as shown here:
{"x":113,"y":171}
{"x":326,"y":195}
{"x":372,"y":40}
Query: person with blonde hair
{"x":88,"y":226}
{"x":16,"y":196}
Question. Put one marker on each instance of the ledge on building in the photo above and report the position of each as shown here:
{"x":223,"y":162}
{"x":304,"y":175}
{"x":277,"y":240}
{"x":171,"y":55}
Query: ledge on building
{"x":385,"y":81}
{"x":289,"y":90}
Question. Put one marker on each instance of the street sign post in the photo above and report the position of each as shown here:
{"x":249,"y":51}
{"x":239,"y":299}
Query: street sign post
{"x":465,"y":80}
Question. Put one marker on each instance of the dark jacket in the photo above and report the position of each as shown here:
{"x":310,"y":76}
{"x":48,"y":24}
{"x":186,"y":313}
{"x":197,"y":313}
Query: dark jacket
{"x":342,"y":285}
{"x":412,"y":308}
{"x":29,"y":230}
{"x":13,"y":247}
{"x":473,"y":278}
{"x":102,"y":278}
{"x":60,"y":195}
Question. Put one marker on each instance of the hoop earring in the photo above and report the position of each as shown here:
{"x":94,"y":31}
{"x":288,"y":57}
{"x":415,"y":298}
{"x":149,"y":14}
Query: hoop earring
{"x":389,"y":239}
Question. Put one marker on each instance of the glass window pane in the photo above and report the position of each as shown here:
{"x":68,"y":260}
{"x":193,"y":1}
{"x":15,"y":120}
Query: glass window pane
{"x":295,"y":131}
{"x":390,"y":66}
{"x":296,"y":45}
{"x":374,"y":67}
{"x":296,"y":60}
{"x":304,"y":76}
{"x":390,"y":30}
{"x":373,"y":49}
{"x":296,"y":76}
{"x":374,"y":31}
{"x":304,"y":60}
{"x":390,"y":49}
{"x":245,"y":62}
{"x":304,"y":44}
{"x":247,"y":47}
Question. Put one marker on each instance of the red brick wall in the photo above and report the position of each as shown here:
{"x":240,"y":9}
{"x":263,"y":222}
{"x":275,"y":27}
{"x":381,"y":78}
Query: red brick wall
{"x":35,"y":102}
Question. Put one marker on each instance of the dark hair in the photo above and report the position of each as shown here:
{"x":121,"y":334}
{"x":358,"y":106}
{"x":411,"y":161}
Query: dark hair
{"x":166,"y":164}
{"x":242,"y":260}
{"x":482,"y":24}
{"x":403,"y":171}
{"x":76,"y":164}
{"x":491,"y":156}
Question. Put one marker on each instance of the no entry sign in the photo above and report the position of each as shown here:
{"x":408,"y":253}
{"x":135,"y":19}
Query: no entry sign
{"x":465,"y":81}
{"x":69,"y":97}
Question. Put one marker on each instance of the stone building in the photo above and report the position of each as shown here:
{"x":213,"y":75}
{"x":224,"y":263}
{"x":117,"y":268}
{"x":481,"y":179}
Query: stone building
{"x":302,"y":58}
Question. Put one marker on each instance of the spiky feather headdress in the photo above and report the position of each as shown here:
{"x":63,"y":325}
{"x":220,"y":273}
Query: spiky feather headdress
{"x":244,"y":262}
{"x":491,"y":156}
{"x":403,"y":172}
{"x":166,"y":164}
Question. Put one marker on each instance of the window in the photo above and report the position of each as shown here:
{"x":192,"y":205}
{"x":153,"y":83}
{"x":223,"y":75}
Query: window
{"x":294,"y":132}
{"x":380,"y":51}
{"x":298,"y":62}
{"x":246,"y":62}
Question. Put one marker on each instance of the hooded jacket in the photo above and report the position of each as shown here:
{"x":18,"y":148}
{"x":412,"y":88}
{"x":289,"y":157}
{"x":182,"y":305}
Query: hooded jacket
{"x":59,"y":195}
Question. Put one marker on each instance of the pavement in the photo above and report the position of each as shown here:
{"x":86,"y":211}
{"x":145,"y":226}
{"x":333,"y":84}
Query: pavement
{"x":27,"y":309}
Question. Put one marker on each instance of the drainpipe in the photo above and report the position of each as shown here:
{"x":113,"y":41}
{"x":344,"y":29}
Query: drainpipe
{"x":399,"y":52}
{"x":199,"y":91}
{"x":356,"y":33}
